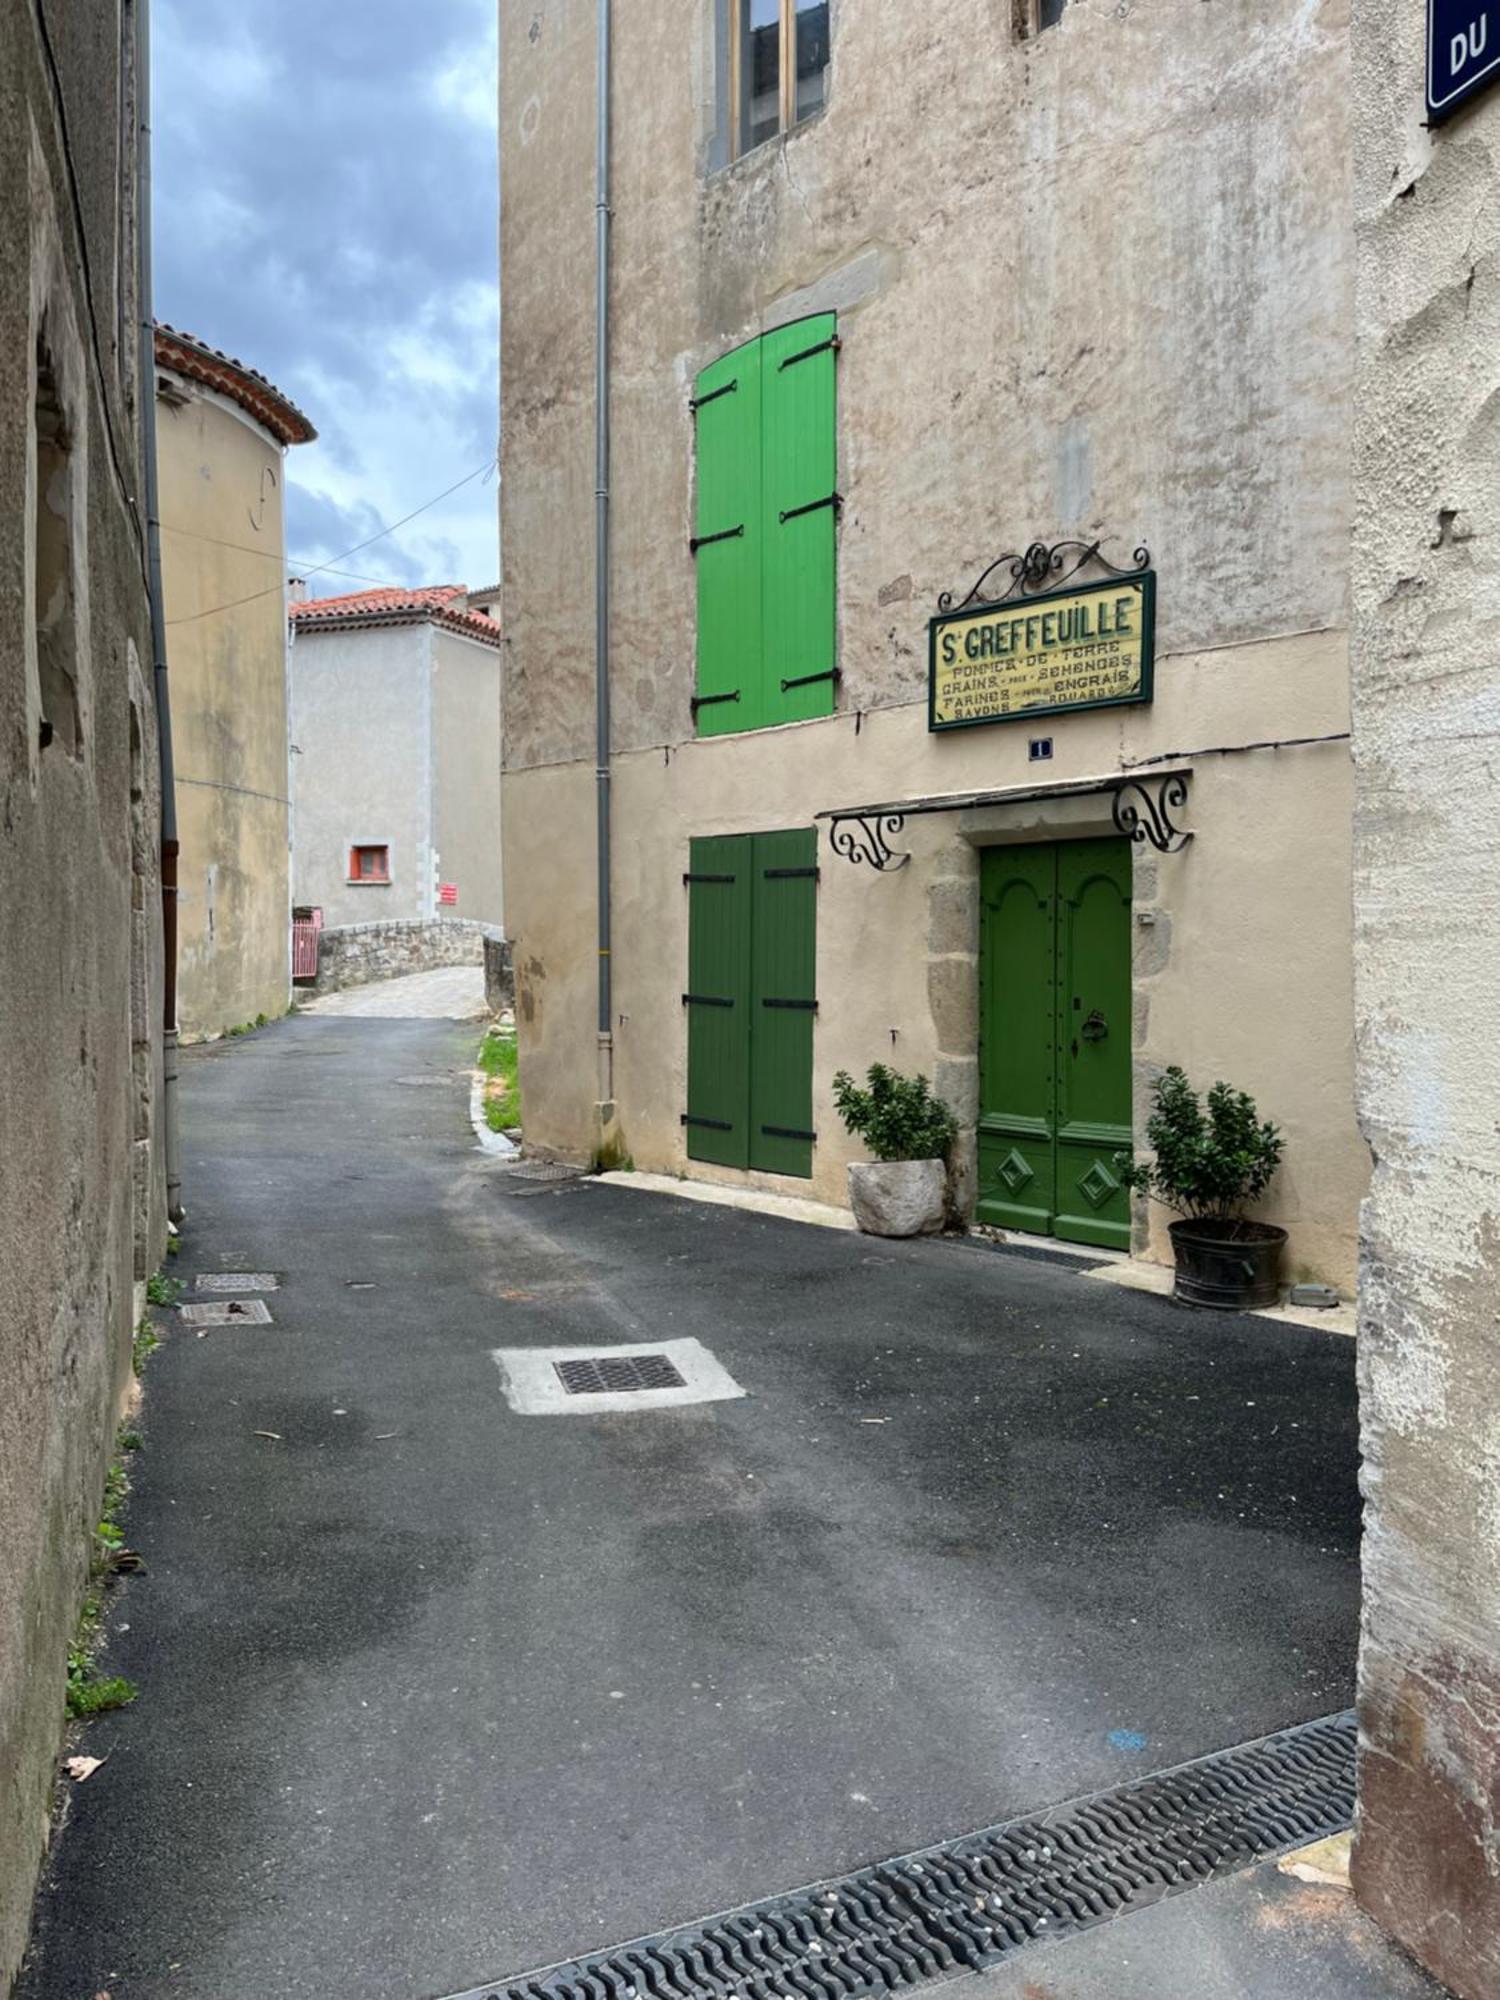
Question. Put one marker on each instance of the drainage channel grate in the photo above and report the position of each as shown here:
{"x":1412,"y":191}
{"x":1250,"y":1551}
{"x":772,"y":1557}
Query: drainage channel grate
{"x":965,"y":1905}
{"x":540,"y":1170}
{"x":610,"y":1374}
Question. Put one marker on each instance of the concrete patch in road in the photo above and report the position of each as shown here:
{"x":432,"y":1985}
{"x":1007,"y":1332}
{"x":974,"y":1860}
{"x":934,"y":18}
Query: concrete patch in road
{"x":228,"y":1312}
{"x":533,"y":1386}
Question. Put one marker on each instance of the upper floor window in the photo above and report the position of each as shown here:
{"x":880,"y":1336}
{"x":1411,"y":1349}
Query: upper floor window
{"x":765,"y":544}
{"x":778,"y":62}
{"x":1034,"y":15}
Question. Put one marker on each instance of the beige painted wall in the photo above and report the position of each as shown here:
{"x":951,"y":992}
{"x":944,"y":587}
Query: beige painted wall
{"x":223,"y":543}
{"x":1064,"y":310}
{"x":466,"y":773}
{"x":1427,"y":966}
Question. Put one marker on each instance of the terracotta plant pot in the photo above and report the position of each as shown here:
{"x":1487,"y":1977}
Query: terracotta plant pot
{"x":898,"y":1197}
{"x":1233,"y":1266}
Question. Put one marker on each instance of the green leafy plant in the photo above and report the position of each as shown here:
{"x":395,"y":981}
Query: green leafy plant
{"x":145,"y":1344}
{"x":92,"y":1694}
{"x":1211,"y":1159}
{"x":162,"y":1290}
{"x":502,"y":1092}
{"x":897,"y":1116}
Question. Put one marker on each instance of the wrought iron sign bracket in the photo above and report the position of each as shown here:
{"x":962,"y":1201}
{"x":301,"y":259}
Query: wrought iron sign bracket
{"x":1143,"y":809}
{"x":867,"y":837}
{"x":1042,"y":566}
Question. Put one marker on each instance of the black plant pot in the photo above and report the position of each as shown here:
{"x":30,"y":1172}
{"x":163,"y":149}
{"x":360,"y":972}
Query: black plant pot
{"x":1234,"y":1266}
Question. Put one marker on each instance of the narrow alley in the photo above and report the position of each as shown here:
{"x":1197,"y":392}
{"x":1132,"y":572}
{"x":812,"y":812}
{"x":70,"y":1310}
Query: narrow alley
{"x":433,"y":1692}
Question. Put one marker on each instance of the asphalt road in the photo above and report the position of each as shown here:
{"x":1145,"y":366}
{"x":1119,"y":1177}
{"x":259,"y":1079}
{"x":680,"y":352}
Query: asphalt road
{"x":432,"y":1692}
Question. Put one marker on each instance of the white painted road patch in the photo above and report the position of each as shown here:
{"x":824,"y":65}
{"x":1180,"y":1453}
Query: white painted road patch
{"x":533,"y":1387}
{"x":236,"y":1281}
{"x":228,"y":1312}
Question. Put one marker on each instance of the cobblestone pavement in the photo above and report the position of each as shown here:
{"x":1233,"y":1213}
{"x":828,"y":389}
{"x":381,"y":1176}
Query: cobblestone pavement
{"x":456,"y":993}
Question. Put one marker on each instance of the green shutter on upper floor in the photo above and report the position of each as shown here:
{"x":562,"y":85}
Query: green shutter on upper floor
{"x":799,"y":474}
{"x":729,"y":537}
{"x":766,"y":535}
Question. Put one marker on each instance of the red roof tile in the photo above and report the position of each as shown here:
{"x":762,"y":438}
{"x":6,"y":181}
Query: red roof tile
{"x":186,"y":355}
{"x":442,"y":603}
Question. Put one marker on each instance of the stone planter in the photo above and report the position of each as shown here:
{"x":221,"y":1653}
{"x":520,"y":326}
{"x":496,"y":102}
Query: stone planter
{"x":897,"y":1197}
{"x":1233,"y":1266}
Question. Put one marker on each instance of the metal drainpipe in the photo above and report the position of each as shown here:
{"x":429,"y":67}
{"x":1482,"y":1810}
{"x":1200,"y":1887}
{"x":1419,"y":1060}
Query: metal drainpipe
{"x":601,"y":558}
{"x":147,"y":407}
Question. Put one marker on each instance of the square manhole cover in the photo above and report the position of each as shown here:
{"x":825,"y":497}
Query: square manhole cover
{"x":228,"y":1312}
{"x":630,"y":1373}
{"x":583,"y":1381}
{"x":236,"y":1281}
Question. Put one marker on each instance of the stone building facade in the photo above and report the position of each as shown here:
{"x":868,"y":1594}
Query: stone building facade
{"x":923,"y":290}
{"x":395,"y":757}
{"x":1427,"y":983}
{"x":222,"y":436}
{"x":82,"y":1189}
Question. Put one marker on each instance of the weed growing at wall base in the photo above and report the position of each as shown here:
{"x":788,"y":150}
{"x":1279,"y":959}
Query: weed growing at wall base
{"x":89,"y":1693}
{"x":502,"y":1092}
{"x":162,"y":1290}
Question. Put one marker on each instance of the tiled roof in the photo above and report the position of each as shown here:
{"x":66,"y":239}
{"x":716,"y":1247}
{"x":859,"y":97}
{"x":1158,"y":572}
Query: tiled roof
{"x":442,"y":603}
{"x":186,"y":355}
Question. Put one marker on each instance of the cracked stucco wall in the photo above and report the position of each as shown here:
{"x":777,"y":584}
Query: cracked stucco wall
{"x":1427,"y":912}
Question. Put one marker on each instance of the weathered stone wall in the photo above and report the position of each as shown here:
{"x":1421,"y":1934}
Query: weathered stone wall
{"x":355,"y":954}
{"x":1427,"y":980}
{"x":82,"y":1198}
{"x":499,"y":975}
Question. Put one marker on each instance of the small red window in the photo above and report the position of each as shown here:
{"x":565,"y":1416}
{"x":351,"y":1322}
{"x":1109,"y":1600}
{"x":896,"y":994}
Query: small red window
{"x":369,"y":864}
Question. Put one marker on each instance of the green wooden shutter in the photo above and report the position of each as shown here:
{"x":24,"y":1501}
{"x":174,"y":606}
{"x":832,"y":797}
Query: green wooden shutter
{"x":717,"y":1001}
{"x":728,"y":421}
{"x":783,"y":990}
{"x":799,"y":460}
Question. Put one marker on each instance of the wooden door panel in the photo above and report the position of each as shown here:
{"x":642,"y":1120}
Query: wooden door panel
{"x":1017,"y":1039}
{"x":1093,"y":1041}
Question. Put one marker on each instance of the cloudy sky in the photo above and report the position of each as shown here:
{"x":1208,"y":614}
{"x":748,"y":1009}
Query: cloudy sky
{"x":326,"y":211}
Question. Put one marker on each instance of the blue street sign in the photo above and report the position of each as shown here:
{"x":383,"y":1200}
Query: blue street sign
{"x":1463,"y":51}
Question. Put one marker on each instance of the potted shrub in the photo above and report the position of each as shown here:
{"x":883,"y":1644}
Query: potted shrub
{"x":1210,"y":1162}
{"x":900,"y":1192}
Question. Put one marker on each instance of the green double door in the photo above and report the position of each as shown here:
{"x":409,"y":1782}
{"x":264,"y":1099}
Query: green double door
{"x":1054,"y":1054}
{"x":751,"y":999}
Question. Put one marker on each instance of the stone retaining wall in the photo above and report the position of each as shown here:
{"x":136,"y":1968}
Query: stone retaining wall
{"x":499,"y":975}
{"x":356,"y":954}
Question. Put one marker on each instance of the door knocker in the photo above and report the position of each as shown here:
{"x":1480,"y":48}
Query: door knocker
{"x":1095,"y":1028}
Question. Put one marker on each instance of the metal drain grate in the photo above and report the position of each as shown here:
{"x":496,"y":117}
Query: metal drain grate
{"x":610,"y":1374}
{"x":962,"y":1906}
{"x":541,"y":1170}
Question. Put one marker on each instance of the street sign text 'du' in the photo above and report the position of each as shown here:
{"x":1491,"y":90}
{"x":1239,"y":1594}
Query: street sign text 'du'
{"x":1463,"y":51}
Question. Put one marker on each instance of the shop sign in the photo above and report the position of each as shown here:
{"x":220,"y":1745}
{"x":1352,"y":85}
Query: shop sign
{"x":1463,"y":51}
{"x":1088,"y":647}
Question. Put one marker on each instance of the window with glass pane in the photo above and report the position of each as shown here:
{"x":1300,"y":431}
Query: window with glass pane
{"x":760,"y":71}
{"x":780,"y":54}
{"x":812,"y":55}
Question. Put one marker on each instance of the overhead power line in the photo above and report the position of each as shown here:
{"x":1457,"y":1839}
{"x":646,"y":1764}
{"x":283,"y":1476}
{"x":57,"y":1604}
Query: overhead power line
{"x":193,"y":617}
